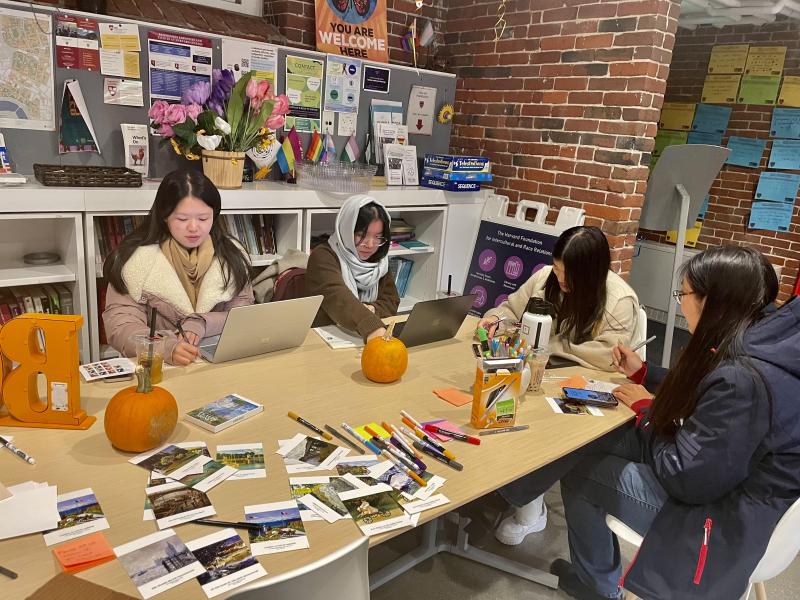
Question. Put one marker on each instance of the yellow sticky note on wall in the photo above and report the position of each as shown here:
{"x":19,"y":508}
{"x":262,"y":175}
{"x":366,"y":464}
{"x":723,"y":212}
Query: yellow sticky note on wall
{"x":691,"y":235}
{"x":677,"y":116}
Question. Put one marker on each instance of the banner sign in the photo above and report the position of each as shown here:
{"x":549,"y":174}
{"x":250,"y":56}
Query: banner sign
{"x":355,"y":28}
{"x":504,"y":258}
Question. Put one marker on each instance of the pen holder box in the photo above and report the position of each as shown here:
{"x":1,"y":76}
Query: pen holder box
{"x":495,"y":398}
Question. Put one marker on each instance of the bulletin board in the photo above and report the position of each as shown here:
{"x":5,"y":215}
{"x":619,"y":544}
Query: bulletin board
{"x":27,"y":147}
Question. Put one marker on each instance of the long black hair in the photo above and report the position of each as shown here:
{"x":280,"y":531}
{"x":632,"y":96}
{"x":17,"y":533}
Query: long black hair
{"x":736,"y":285}
{"x":587,"y":258}
{"x":176,"y":186}
{"x":366,"y":215}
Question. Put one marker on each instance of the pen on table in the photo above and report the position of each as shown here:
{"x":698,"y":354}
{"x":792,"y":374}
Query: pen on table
{"x":410,"y":472}
{"x":456,"y":435}
{"x":26,"y":457}
{"x":8,"y":573}
{"x":402,"y":441}
{"x":311,"y":426}
{"x":430,"y":451}
{"x":635,"y":348}
{"x":503,"y":430}
{"x":420,"y":433}
{"x":381,"y":443}
{"x":340,"y":437}
{"x":235,"y":525}
{"x":361,"y":438}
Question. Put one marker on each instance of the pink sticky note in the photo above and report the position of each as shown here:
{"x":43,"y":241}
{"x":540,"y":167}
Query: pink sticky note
{"x":444,"y":424}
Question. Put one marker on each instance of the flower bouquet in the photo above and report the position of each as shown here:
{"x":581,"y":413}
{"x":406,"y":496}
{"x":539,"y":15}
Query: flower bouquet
{"x":221,"y":121}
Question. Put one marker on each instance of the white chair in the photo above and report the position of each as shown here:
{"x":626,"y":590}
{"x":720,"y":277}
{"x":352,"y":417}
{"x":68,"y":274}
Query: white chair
{"x":783,"y":547}
{"x":640,"y":334}
{"x":342,"y":574}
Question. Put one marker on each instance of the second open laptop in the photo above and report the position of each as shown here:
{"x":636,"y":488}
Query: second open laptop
{"x":434,"y":320}
{"x":261,"y":328}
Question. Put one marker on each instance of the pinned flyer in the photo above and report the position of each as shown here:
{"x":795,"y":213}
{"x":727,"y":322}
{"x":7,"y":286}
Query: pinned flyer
{"x":75,"y":131}
{"x":375,"y":509}
{"x":227,"y":561}
{"x":282,"y":528}
{"x":158,"y":562}
{"x":80,"y":515}
{"x":174,"y":503}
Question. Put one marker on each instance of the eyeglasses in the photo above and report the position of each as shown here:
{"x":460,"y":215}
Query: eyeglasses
{"x":679,"y":294}
{"x":378,"y":240}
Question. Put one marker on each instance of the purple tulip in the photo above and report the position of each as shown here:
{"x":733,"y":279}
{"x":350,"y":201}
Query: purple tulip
{"x":197,"y":93}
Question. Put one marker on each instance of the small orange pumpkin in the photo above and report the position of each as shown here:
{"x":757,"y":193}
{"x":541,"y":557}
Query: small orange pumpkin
{"x":140,"y":417}
{"x":384,"y":359}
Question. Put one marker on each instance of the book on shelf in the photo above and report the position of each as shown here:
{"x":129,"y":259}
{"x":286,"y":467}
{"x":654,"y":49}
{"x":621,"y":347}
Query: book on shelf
{"x":400,"y":269}
{"x":45,"y":298}
{"x":414,"y":245}
{"x":255,"y":232}
{"x":110,"y":231}
{"x":223,"y":413}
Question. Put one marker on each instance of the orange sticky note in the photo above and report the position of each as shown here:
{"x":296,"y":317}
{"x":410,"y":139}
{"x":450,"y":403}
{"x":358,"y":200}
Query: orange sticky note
{"x":576,"y":381}
{"x":453,"y":396}
{"x":84,"y":553}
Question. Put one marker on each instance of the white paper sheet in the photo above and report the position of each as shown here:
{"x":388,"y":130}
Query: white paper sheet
{"x":33,"y":507}
{"x":337,"y":338}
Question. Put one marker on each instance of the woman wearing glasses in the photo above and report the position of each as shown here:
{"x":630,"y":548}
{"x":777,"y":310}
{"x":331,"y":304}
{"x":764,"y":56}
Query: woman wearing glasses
{"x":351,"y":270}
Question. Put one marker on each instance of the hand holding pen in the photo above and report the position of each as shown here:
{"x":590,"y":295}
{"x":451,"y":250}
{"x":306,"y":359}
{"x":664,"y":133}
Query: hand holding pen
{"x":626,"y":360}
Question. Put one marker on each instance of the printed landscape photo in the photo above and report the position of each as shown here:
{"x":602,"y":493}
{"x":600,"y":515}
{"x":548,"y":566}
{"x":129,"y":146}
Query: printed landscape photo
{"x":280,"y":524}
{"x":79,"y":510}
{"x":224,"y":558}
{"x":156,"y":560}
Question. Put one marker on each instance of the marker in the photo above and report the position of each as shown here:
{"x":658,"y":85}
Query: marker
{"x":443,"y":459}
{"x":404,"y":469}
{"x":361,"y":438}
{"x":311,"y":426}
{"x":399,"y":440}
{"x":235,"y":525}
{"x":380,"y":443}
{"x":483,"y":338}
{"x":420,"y":433}
{"x":637,"y":346}
{"x":27,"y":458}
{"x":414,"y":422}
{"x":8,"y":573}
{"x":420,"y":466}
{"x":503,"y":430}
{"x":462,"y":437}
{"x":340,"y":437}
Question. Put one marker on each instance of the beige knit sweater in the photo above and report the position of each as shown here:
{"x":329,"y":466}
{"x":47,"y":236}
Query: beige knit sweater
{"x":617,"y":325}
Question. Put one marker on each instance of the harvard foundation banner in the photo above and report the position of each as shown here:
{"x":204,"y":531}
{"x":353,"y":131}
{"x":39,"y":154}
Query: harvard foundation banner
{"x":354,"y":28}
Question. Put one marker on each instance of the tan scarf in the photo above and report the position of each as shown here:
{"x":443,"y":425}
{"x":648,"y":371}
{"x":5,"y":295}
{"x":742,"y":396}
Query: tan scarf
{"x":190,"y":265}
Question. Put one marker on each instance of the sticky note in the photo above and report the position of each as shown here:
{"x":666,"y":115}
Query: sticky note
{"x":444,"y":424}
{"x":576,"y":381}
{"x":84,"y":553}
{"x":376,"y":428}
{"x":453,"y":396}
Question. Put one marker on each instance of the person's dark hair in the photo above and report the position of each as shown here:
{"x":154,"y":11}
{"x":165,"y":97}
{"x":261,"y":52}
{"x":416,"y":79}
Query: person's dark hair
{"x":587,"y":258}
{"x":737,"y":284}
{"x":366,"y":215}
{"x":176,"y":186}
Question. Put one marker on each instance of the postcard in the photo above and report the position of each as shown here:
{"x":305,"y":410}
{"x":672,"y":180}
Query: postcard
{"x":213,"y":474}
{"x":113,"y":367}
{"x":375,"y":510}
{"x":248,"y":459}
{"x":227,"y":561}
{"x":158,"y":562}
{"x":324,"y":500}
{"x":174,"y":503}
{"x":312,"y":451}
{"x":564,"y":408}
{"x":282,"y":528}
{"x":80,"y":515}
{"x":389,"y":474}
{"x":418,"y":506}
{"x":357,"y":465}
{"x":170,"y":461}
{"x":326,"y":491}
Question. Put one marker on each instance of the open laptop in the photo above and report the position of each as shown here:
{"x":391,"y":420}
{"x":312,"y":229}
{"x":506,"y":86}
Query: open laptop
{"x":434,"y":320}
{"x":261,"y":328}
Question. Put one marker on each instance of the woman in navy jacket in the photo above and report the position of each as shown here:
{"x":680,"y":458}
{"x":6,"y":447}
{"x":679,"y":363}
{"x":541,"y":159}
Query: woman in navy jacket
{"x":714,"y":461}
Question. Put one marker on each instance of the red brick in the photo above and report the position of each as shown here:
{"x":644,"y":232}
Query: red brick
{"x":603,"y":40}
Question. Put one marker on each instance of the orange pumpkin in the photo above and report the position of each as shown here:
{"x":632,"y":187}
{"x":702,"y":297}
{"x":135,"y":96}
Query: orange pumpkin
{"x":140,"y":417}
{"x":384,"y":359}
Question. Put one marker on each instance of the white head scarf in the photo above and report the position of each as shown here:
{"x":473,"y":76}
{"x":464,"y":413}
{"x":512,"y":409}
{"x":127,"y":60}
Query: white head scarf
{"x":361,"y":277}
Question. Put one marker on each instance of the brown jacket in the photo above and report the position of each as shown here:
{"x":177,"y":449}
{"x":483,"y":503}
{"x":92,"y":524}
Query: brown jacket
{"x":339,"y":304}
{"x":151,"y":281}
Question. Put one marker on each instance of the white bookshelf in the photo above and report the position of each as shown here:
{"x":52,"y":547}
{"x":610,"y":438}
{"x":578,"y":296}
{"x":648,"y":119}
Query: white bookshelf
{"x":61,"y":233}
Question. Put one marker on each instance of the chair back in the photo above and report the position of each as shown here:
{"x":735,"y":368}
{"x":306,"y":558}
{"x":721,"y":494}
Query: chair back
{"x":290,"y":284}
{"x":640,"y":334}
{"x":783,"y":547}
{"x":342,"y":574}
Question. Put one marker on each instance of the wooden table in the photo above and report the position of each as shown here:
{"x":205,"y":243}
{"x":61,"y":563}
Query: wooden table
{"x":322,"y":385}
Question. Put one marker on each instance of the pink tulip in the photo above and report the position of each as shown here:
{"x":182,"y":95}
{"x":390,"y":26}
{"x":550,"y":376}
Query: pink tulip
{"x":176,"y":114}
{"x":166,"y":130}
{"x":193,"y":111}
{"x":281,"y":106}
{"x":255,"y":103}
{"x":158,"y":111}
{"x":275,"y":122}
{"x":252,"y":88}
{"x":263,"y":89}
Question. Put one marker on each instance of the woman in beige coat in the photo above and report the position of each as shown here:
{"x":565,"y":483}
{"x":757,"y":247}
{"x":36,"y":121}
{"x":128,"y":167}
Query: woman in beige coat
{"x":180,"y":262}
{"x":594,"y":310}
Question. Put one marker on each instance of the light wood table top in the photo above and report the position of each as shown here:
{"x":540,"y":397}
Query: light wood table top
{"x":321,"y":385}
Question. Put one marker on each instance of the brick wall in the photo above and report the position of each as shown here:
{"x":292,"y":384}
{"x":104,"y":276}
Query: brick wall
{"x":566,"y":103}
{"x":734,"y":189}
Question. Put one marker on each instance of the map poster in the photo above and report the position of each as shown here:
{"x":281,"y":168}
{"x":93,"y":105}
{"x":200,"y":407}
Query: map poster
{"x":77,"y":43}
{"x":177,"y":61}
{"x":304,"y":90}
{"x":354,"y":28}
{"x":26,"y":71}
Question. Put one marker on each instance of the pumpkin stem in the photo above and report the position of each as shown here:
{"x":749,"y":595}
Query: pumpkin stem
{"x":143,"y":385}
{"x":388,"y":335}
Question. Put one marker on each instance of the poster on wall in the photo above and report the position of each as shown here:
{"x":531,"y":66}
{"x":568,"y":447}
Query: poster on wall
{"x":504,"y":258}
{"x":77,"y":43}
{"x":342,"y":84}
{"x":304,"y":90}
{"x":75,"y":132}
{"x":177,"y":61}
{"x":354,"y":28}
{"x":241,"y":56}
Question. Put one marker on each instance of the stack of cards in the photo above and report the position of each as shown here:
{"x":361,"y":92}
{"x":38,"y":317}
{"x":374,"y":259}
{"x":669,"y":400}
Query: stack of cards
{"x":84,"y":553}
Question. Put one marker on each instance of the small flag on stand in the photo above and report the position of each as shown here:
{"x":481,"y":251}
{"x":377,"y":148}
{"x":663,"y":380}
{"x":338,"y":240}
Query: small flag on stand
{"x":294,"y":140}
{"x":329,"y":152}
{"x":351,"y":151}
{"x":315,"y":147}
{"x":285,"y":158}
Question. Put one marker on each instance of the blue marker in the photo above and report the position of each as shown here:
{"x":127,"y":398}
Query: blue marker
{"x":361,"y":438}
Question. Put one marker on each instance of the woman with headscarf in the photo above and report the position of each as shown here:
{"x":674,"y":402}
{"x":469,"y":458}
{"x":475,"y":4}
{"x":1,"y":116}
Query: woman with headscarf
{"x":351,"y":270}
